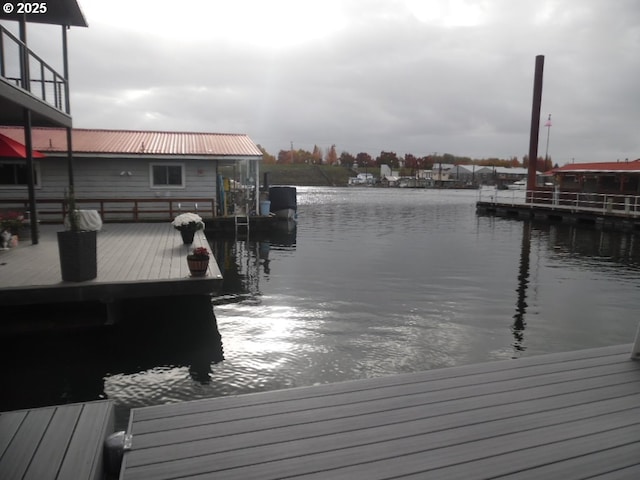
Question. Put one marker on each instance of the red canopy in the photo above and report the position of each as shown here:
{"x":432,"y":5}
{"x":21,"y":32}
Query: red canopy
{"x":9,"y":148}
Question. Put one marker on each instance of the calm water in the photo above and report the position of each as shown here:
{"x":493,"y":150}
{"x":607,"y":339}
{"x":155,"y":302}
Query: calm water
{"x":371,"y":282}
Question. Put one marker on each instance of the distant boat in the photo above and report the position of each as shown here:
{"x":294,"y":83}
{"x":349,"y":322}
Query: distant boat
{"x":518,"y":185}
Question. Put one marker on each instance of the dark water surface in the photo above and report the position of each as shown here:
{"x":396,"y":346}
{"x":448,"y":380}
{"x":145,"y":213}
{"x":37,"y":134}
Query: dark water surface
{"x":371,"y":282}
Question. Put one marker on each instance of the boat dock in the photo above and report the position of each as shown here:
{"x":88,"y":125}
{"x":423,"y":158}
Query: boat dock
{"x":134,"y":261}
{"x":562,"y":416}
{"x":614,"y":212}
{"x":571,"y":415}
{"x":62,"y":443}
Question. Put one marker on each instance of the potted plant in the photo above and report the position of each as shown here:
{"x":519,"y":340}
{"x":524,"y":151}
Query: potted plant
{"x":77,"y":248}
{"x":12,"y":222}
{"x":188,"y":224}
{"x":11,"y":228}
{"x":198,"y":261}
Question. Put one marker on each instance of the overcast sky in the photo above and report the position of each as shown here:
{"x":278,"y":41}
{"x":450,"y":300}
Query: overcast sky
{"x":410,"y":76}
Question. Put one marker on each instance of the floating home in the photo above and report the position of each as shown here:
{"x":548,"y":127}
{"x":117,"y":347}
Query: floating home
{"x":136,"y":175}
{"x":602,"y":194}
{"x":614,"y":178}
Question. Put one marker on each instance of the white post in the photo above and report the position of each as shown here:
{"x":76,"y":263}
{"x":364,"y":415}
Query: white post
{"x":257,"y":187}
{"x":635,"y":351}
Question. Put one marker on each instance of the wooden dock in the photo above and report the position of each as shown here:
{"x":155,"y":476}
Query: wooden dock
{"x":63,"y":442}
{"x":562,"y":416}
{"x":227,"y":224}
{"x":572,"y":208}
{"x":135,"y":262}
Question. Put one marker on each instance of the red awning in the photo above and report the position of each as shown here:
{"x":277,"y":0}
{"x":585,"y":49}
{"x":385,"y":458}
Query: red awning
{"x":9,"y":148}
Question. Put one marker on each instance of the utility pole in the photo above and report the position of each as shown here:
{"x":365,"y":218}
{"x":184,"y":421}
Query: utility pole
{"x":548,"y":125}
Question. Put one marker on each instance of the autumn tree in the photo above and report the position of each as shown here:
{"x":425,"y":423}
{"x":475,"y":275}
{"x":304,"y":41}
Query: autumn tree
{"x":542,"y":165}
{"x":303,"y":156}
{"x":388,"y":158}
{"x":346,"y":159}
{"x":267,"y":158}
{"x":294,"y":156}
{"x":332,"y":157}
{"x":316,"y":155}
{"x":364,"y":160}
{"x":285,"y":157}
{"x":410,"y":162}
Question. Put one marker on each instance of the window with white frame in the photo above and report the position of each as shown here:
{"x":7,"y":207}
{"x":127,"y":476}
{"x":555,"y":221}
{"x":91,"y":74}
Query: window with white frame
{"x":167,"y":175}
{"x":14,"y":174}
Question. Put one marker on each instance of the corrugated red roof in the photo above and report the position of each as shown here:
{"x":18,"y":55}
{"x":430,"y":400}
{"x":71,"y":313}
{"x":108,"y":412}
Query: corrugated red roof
{"x":619,"y":167}
{"x":50,"y":140}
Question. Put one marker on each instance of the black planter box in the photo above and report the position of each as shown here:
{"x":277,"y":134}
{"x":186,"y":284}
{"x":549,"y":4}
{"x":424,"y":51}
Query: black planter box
{"x":78,"y":255}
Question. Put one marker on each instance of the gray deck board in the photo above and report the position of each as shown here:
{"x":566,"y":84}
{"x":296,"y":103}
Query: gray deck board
{"x":469,"y":374}
{"x":61,"y":443}
{"x":544,"y":416}
{"x":147,"y":256}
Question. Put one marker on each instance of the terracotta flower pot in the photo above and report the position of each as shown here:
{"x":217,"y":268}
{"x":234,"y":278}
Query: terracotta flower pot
{"x":197,"y":265}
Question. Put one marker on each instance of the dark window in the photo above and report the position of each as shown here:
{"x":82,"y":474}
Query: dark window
{"x":167,"y":175}
{"x":15,"y":174}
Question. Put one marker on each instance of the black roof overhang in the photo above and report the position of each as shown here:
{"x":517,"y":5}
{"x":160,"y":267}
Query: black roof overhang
{"x":58,"y":12}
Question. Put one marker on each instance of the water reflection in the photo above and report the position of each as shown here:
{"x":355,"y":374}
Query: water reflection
{"x":245,"y":262}
{"x":519,"y":323}
{"x":75,"y":366}
{"x":579,"y":255}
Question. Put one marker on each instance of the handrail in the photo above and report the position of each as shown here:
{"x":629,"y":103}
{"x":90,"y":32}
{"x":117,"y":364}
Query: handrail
{"x":23,"y":80}
{"x":118,"y":209}
{"x":601,"y":203}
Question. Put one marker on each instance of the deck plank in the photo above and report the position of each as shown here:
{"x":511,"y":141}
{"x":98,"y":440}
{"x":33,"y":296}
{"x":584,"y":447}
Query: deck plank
{"x":539,"y":414}
{"x":62,"y":442}
{"x":468,"y":373}
{"x":15,"y":460}
{"x":150,"y":258}
{"x":50,"y":453}
{"x":9,"y":426}
{"x":95,"y":422}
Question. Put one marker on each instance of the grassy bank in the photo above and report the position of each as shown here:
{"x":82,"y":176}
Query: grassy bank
{"x":307,"y":175}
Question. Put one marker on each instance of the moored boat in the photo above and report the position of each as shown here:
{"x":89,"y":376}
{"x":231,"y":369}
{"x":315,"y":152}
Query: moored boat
{"x":518,"y":185}
{"x":284,"y":202}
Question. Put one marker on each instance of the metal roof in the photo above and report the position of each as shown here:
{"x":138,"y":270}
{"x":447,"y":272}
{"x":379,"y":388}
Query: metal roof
{"x":58,"y":12}
{"x":134,"y":142}
{"x":603,"y":167}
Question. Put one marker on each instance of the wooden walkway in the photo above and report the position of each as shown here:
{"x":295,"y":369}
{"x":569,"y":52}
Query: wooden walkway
{"x":64,"y":442}
{"x":562,"y":416}
{"x":134,"y":260}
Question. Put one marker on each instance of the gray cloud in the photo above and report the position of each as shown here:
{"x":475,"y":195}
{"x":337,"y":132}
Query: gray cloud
{"x":386,"y":79}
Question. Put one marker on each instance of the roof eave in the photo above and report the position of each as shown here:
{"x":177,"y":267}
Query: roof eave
{"x":58,"y":12}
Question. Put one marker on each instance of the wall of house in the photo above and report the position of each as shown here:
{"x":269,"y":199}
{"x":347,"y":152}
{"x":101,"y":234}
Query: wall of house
{"x":118,"y":178}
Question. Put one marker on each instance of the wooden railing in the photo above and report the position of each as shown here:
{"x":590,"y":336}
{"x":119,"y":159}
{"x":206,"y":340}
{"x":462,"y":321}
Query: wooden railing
{"x":117,"y":209}
{"x":601,"y":203}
